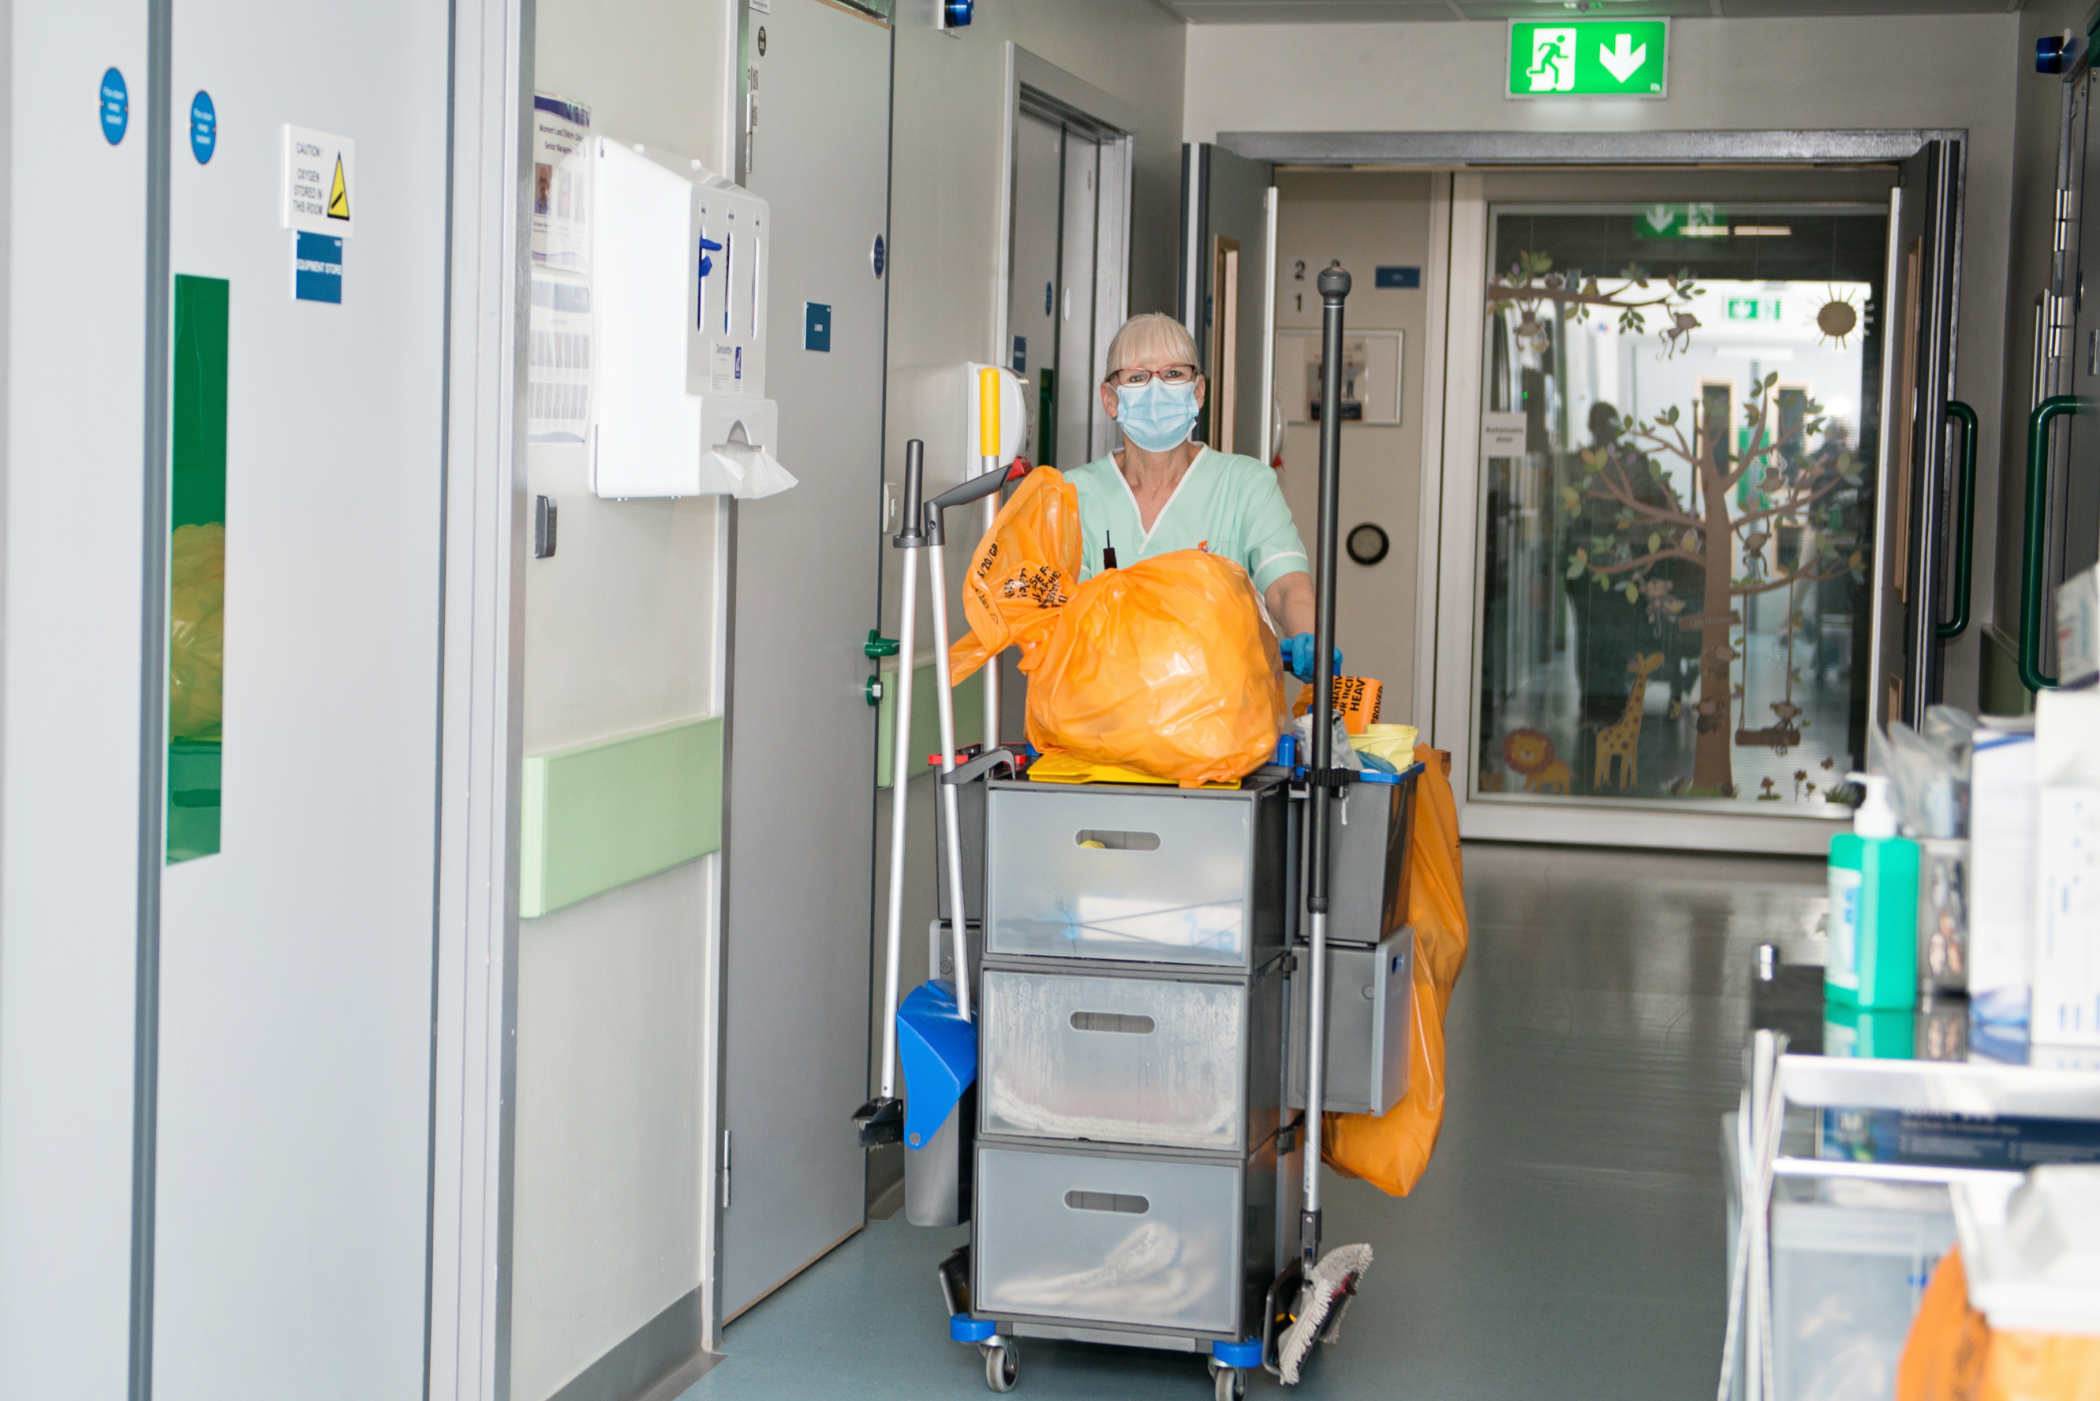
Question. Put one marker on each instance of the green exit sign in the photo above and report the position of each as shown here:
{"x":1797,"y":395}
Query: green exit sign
{"x":1752,"y":309}
{"x":1589,"y":58}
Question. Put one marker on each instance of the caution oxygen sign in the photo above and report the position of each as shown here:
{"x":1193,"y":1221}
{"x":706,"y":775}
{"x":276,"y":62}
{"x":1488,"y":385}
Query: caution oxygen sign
{"x":320,"y":182}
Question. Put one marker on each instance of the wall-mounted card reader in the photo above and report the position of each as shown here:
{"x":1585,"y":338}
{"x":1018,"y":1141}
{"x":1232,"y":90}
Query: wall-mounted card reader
{"x":680,"y":300}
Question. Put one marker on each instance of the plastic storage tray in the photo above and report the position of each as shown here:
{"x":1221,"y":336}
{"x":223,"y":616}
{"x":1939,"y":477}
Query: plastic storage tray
{"x":1370,"y":1021}
{"x":1115,"y":1239}
{"x":1136,"y":874}
{"x":1850,"y":1261}
{"x":1371,"y":860}
{"x":1149,"y":1061}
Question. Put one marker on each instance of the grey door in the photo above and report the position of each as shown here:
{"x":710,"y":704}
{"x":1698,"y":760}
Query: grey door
{"x":1224,"y":255}
{"x":1032,"y":304}
{"x":1924,"y":278}
{"x":2070,"y":536}
{"x":802,"y":739}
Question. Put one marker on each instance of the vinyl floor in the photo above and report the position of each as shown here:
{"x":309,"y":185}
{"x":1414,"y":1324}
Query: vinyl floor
{"x":1567,"y":1239}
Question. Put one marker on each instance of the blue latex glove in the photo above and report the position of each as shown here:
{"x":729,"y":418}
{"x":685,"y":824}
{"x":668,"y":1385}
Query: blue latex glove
{"x":1299,"y":656}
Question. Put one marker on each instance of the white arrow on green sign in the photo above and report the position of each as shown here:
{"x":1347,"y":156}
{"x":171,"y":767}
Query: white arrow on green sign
{"x":1589,"y":58}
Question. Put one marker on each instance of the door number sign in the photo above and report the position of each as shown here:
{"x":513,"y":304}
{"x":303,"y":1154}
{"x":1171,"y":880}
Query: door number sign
{"x":1589,"y":58}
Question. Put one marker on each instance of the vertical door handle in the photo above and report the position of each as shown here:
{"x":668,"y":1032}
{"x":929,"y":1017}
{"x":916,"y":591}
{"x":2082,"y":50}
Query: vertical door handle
{"x":2032,"y":584}
{"x":1964,"y":520}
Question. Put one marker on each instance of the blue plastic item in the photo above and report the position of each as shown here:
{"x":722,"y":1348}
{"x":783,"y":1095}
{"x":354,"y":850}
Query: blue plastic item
{"x":965,"y":1329}
{"x":1287,"y":751}
{"x":1245,"y":1355}
{"x":939,"y":1051}
{"x":1299,"y":655}
{"x":1374,"y":776}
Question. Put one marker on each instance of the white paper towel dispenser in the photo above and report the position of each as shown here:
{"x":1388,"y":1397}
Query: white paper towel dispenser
{"x":680,"y":300}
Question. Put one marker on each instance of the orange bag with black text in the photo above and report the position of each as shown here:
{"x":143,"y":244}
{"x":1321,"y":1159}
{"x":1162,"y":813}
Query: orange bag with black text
{"x":1391,"y":1151}
{"x":1022,"y":575}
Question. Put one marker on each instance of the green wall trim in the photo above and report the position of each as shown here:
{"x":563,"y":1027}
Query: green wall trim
{"x":596,"y":816}
{"x":925,"y":720}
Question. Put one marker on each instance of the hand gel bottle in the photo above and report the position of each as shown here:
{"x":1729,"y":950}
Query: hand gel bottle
{"x":1873,"y":924}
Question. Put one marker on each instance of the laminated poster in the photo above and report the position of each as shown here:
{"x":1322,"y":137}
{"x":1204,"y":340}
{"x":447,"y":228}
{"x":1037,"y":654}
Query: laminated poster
{"x":558,"y":354}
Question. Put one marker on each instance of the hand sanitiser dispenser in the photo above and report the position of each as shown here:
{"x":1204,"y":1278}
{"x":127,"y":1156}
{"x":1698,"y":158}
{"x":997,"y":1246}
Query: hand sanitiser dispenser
{"x":680,"y":300}
{"x":1873,"y":927}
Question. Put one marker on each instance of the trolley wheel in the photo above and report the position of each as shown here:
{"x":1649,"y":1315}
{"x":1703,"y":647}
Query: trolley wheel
{"x":1229,"y":1383}
{"x":1002,"y":1366}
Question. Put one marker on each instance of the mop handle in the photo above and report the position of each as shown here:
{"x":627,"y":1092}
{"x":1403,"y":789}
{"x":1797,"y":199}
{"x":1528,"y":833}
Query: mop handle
{"x":1334,"y":289}
{"x":988,"y":444}
{"x":944,"y":706}
{"x":909,"y":542}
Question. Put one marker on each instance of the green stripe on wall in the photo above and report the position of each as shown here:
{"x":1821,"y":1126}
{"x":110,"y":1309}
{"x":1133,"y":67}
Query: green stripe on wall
{"x":197,"y":579}
{"x":600,"y":815}
{"x":925,"y":720}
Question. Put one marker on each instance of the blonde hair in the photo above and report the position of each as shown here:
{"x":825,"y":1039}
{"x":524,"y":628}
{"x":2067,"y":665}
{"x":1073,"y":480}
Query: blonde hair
{"x":1151,"y":335}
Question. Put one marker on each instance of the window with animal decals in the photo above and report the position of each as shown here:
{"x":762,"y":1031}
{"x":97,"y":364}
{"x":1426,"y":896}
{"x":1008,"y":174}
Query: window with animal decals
{"x":1681,"y":412}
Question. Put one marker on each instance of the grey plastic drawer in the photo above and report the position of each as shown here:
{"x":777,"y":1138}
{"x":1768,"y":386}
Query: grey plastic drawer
{"x":1123,"y":1240}
{"x":1172,"y":877}
{"x":1115,"y":1060}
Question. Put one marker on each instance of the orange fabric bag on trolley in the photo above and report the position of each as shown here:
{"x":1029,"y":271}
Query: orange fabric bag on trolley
{"x":1390,"y":1152}
{"x":1166,"y":667}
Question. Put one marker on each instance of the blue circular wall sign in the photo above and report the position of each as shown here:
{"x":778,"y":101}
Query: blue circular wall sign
{"x":204,"y":128}
{"x":116,"y":106}
{"x":879,"y":256}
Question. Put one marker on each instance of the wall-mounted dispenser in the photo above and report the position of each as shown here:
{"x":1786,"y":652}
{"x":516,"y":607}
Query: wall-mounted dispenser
{"x":680,"y":299}
{"x":1013,"y":417}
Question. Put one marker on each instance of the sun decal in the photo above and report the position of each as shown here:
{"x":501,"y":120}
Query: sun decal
{"x":1836,"y":319}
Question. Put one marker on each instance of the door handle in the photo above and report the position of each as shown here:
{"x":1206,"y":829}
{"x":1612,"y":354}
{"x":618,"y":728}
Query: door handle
{"x":1964,"y":521}
{"x":2032,"y":585}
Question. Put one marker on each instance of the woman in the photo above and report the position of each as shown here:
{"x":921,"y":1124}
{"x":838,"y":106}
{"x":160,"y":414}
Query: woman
{"x":1164,"y":492}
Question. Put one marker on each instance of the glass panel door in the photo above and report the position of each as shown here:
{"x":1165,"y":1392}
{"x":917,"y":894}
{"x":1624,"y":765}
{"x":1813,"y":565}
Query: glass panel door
{"x":1681,"y":415}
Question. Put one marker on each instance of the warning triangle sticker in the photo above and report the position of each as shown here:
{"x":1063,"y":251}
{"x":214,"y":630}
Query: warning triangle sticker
{"x":339,"y":193}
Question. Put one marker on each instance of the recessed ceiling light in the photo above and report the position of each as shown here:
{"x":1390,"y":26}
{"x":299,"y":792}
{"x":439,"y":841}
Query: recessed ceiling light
{"x":1762,"y":231}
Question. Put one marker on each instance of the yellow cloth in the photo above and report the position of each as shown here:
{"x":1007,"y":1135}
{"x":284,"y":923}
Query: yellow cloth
{"x":1393,"y":743}
{"x":1059,"y":767}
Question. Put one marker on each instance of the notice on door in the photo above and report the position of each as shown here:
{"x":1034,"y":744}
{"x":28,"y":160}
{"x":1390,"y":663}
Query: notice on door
{"x":1503,"y":434}
{"x":561,"y":230}
{"x":320,"y":182}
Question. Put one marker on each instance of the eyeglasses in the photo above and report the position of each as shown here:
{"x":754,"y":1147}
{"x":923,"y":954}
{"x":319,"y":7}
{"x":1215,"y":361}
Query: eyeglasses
{"x":1136,"y":375}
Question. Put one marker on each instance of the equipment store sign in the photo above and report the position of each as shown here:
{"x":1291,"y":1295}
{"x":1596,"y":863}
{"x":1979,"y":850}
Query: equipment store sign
{"x":1589,"y":58}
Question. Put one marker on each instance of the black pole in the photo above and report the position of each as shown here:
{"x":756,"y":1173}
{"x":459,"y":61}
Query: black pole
{"x":1334,"y":290}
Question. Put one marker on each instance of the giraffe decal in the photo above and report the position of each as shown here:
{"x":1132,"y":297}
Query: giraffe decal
{"x":1622,"y":741}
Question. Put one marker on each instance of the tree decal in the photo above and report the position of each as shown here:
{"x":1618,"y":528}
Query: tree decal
{"x":1531,"y":282}
{"x":1748,"y":510}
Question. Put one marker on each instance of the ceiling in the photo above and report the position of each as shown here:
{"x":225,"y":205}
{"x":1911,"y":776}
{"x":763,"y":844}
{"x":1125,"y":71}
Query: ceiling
{"x":1388,"y":11}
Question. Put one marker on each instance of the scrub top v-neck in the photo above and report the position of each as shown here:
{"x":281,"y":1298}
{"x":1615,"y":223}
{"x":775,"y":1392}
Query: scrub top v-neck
{"x":1227,"y":504}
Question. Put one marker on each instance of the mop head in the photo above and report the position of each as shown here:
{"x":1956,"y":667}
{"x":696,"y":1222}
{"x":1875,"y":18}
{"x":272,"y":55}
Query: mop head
{"x":1322,"y":1299}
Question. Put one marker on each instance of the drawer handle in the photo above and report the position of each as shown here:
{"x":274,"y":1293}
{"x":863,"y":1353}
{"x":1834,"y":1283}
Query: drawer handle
{"x":1129,"y":1023}
{"x":1108,"y":1201}
{"x":1101,"y":839}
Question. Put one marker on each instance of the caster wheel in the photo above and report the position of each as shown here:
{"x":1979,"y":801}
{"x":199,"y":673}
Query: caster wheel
{"x":1228,"y":1383}
{"x":1002,"y":1367}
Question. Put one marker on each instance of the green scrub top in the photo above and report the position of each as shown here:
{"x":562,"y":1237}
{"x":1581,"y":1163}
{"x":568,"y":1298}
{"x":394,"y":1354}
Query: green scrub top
{"x":1227,"y":503}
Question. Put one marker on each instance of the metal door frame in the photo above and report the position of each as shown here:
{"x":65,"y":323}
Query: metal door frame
{"x":1453,"y":517}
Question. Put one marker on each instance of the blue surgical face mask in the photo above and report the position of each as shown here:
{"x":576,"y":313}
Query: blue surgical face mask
{"x":1157,"y":415}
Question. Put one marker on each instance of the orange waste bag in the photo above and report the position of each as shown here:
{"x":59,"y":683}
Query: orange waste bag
{"x":1167,"y":667}
{"x":1022,"y":575}
{"x":1953,"y":1354}
{"x":1390,"y":1151}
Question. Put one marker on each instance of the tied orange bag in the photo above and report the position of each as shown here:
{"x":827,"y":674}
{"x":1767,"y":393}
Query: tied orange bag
{"x":1391,"y":1152}
{"x":1167,"y":667}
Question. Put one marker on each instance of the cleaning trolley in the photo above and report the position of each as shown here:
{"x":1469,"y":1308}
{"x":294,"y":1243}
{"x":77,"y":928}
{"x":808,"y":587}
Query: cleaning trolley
{"x":1119,"y":1080}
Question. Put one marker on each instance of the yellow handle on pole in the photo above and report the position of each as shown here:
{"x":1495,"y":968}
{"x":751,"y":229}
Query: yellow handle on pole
{"x":988,"y":413}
